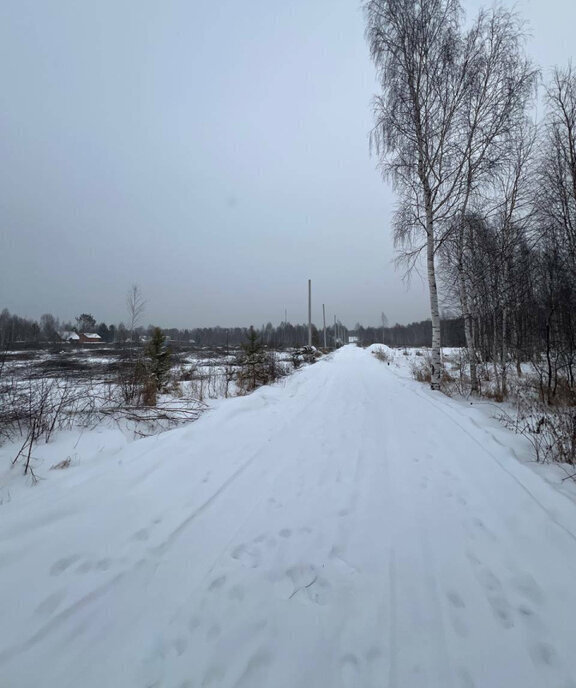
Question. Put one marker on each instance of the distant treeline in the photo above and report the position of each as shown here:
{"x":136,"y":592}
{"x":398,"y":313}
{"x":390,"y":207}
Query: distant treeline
{"x":15,"y":331}
{"x":414,"y":334}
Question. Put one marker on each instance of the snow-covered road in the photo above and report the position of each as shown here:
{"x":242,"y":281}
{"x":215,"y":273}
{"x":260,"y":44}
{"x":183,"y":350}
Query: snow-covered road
{"x":347,"y":528}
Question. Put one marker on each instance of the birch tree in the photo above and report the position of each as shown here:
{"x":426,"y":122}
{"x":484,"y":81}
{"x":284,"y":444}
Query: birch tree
{"x":419,"y":54}
{"x":557,"y":179}
{"x":136,"y":304}
{"x":500,"y":85}
{"x":449,"y":100}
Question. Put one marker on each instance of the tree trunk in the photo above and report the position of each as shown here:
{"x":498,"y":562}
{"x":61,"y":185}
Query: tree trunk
{"x":548,"y":362}
{"x":495,"y":355}
{"x":436,"y":373}
{"x":467,"y":328}
{"x":504,"y":353}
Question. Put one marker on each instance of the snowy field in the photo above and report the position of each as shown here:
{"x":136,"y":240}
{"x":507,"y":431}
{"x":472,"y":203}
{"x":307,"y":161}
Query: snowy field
{"x":344,"y":527}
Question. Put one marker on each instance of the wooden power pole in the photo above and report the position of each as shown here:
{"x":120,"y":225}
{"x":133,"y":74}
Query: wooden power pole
{"x":324,"y":321}
{"x":309,"y":312}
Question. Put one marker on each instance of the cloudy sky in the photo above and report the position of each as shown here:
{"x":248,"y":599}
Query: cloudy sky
{"x":215,"y":153}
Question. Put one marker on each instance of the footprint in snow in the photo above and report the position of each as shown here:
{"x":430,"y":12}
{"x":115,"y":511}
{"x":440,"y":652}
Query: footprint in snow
{"x":179,"y":644}
{"x":455,"y":599}
{"x":543,"y":654}
{"x":495,"y":593}
{"x":249,"y":556}
{"x":457,"y":605}
{"x":103,"y":564}
{"x":140,"y":535}
{"x":61,"y":565}
{"x":217,"y":583}
{"x":528,"y":588}
{"x":85,"y":567}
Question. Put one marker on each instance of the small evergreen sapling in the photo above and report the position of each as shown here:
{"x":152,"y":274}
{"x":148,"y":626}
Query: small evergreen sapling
{"x":158,"y":364}
{"x":258,"y":366}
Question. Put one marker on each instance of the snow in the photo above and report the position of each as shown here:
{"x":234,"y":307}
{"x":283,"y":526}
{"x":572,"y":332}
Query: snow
{"x":347,"y":527}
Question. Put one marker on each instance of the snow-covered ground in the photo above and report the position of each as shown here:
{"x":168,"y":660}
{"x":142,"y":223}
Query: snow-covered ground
{"x":346,"y":527}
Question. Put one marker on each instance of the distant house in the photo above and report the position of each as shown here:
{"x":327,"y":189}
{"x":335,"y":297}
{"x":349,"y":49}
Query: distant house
{"x":90,"y":338}
{"x":70,"y":337}
{"x":81,"y":337}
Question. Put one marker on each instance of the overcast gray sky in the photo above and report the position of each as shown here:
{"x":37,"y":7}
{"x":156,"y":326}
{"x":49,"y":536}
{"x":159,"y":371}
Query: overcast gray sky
{"x":215,"y":153}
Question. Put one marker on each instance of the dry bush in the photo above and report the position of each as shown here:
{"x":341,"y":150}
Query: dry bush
{"x":306,"y":354}
{"x":61,"y":465}
{"x":187,"y":374}
{"x":149,"y":393}
{"x":492,"y":393}
{"x":550,"y":428}
{"x":422,"y":372}
{"x":383,"y":355}
{"x":211,"y":382}
{"x":259,"y":370}
{"x":131,"y":380}
{"x":39,"y":407}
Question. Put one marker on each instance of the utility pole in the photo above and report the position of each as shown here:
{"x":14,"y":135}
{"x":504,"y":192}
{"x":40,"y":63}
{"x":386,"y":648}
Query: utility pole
{"x":324,"y":321}
{"x":309,"y":312}
{"x":335,"y":333}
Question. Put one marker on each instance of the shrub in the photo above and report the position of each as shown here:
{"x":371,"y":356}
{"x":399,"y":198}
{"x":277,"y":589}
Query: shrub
{"x":383,"y":355}
{"x":257,"y":366}
{"x":158,"y":362}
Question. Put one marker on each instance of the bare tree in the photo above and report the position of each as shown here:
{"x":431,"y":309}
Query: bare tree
{"x":450,"y":99}
{"x":501,"y":82}
{"x":423,"y":67}
{"x":49,"y":327}
{"x":136,"y":305}
{"x":557,"y":179}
